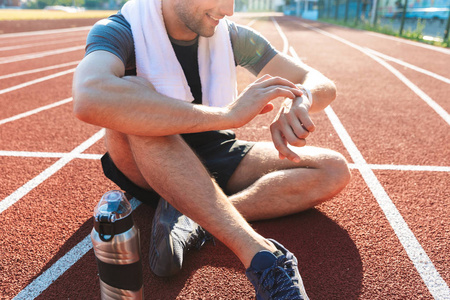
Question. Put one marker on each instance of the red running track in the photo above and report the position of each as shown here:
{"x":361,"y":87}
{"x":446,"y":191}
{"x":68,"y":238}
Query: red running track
{"x":386,"y":236}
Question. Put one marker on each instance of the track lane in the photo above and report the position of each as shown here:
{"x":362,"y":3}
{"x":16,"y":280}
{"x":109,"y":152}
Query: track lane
{"x":424,"y":58}
{"x":64,"y":131}
{"x":30,"y":64}
{"x":12,"y":81}
{"x":43,"y":47}
{"x":422,"y":198}
{"x":36,"y":95}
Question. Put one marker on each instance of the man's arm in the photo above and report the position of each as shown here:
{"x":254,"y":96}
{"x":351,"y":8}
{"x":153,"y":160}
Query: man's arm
{"x":293,"y":122}
{"x":323,"y":90}
{"x":104,"y":97}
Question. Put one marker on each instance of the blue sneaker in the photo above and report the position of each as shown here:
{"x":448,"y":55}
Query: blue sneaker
{"x":173,"y":234}
{"x":275,"y":275}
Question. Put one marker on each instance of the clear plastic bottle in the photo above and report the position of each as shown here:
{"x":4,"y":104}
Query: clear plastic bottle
{"x":117,"y":248}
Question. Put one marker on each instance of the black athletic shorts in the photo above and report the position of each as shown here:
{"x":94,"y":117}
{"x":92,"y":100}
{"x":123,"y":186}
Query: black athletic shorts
{"x":219,"y":151}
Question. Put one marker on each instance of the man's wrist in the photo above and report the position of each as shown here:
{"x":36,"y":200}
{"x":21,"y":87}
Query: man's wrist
{"x":306,"y":92}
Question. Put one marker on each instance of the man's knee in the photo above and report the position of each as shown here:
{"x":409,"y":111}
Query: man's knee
{"x":335,"y":169}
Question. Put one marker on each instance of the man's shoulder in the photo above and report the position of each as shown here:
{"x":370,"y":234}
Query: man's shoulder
{"x":251,"y":50}
{"x":113,"y":24}
{"x":238,"y":31}
{"x":114,"y":35}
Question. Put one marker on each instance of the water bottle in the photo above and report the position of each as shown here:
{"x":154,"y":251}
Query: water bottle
{"x":117,"y":248}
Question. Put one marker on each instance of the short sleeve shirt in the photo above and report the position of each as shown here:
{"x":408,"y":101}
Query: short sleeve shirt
{"x":251,"y":50}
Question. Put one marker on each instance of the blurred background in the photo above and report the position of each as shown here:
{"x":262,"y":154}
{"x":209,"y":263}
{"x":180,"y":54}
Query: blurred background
{"x":422,"y":20}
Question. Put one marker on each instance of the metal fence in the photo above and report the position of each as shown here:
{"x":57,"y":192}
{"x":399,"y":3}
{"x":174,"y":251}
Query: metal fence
{"x":429,"y":18}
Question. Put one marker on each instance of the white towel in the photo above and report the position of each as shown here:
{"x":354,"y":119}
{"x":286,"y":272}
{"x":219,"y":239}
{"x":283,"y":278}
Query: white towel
{"x":156,"y":60}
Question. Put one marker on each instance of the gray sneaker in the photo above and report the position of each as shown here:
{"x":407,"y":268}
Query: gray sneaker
{"x":172,"y":235}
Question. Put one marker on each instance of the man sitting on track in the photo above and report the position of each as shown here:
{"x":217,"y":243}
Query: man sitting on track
{"x":167,"y":132}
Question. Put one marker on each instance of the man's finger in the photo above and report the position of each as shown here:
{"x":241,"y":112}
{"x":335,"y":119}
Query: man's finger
{"x":280,"y":144}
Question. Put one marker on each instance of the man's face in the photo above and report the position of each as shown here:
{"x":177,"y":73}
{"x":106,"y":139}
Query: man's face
{"x":202,"y":16}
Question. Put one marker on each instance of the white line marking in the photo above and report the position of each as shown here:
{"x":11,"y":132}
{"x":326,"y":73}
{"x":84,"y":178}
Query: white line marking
{"x":52,"y":31}
{"x":413,"y":67}
{"x":402,"y":168}
{"x":44,"y":175}
{"x":425,"y":267}
{"x":34,"y":111}
{"x":429,"y":47}
{"x":415,"y":168}
{"x":250,"y":24}
{"x":283,"y":36}
{"x":436,"y":107}
{"x":47,"y":154}
{"x":16,"y":58}
{"x":40,"y":70}
{"x":9,"y":48}
{"x":28,"y":83}
{"x":40,"y":284}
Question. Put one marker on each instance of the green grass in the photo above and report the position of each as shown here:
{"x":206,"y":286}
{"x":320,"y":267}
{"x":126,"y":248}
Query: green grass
{"x":38,"y":14}
{"x":415,"y":35}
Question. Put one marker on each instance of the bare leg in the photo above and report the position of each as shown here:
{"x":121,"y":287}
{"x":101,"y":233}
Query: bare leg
{"x":267,"y":187}
{"x":278,"y":187}
{"x":170,"y":166}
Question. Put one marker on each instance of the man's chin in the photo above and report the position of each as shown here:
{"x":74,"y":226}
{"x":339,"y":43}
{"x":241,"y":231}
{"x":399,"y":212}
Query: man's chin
{"x":208,"y":33}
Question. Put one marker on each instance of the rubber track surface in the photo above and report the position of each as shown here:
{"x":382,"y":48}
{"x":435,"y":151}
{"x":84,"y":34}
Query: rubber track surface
{"x":386,"y":236}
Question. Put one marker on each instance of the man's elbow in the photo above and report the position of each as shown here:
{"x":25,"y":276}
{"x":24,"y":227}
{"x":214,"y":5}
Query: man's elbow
{"x":83,"y":108}
{"x":332,"y":91}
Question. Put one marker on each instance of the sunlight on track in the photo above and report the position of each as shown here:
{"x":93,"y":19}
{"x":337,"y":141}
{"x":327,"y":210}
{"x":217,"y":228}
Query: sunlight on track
{"x":412,"y":67}
{"x":436,"y":107}
{"x":405,"y":41}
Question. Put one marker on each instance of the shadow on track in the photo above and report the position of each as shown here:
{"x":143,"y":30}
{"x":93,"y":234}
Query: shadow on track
{"x":329,"y":263}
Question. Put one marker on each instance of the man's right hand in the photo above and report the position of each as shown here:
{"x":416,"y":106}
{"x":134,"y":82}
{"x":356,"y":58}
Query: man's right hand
{"x":255,"y":98}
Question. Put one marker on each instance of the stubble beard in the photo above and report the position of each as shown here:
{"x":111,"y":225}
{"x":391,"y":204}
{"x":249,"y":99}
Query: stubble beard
{"x":194,"y":22}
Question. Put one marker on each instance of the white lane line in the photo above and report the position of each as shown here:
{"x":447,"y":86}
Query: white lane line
{"x":47,"y":154}
{"x":405,"y":64}
{"x":424,"y":266}
{"x":283,"y":36}
{"x":250,"y":24}
{"x":436,"y":107}
{"x":39,"y":70}
{"x":28,"y":83}
{"x":415,"y":168}
{"x":41,"y":32}
{"x":44,"y":175}
{"x":41,"y":283}
{"x":16,"y":58}
{"x":34,"y":111}
{"x":417,"y":44}
{"x":15,"y":47}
